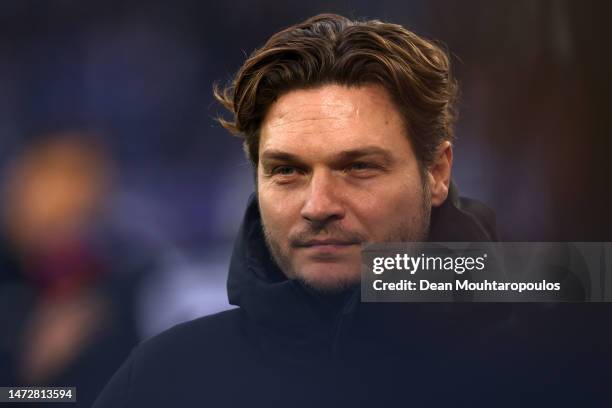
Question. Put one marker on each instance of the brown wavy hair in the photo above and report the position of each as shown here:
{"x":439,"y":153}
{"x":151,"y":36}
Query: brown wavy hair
{"x":331,"y":49}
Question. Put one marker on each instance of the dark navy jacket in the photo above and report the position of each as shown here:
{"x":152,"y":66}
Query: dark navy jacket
{"x":286,"y":345}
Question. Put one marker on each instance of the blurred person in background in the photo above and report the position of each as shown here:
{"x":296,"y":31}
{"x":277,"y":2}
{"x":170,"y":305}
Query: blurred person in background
{"x":66,"y":309}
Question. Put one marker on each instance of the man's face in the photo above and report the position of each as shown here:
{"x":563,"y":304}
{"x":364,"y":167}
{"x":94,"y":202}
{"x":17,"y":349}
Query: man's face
{"x":336,"y":169}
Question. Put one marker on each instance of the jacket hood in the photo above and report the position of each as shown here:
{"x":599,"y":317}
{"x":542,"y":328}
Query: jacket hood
{"x":258,"y":286}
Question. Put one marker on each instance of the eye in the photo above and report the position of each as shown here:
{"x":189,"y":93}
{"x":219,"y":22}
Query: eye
{"x":359,"y":166}
{"x":284,"y":171}
{"x":363,"y":169}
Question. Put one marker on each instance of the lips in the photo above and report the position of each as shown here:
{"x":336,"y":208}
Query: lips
{"x":327,"y":242}
{"x":326,"y":249}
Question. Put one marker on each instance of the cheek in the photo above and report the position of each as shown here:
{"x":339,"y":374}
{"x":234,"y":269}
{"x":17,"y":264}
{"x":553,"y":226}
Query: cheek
{"x":276,"y":213}
{"x":389,"y":204}
{"x":408,"y":205}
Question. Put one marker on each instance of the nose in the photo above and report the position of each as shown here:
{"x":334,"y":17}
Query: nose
{"x":323,"y":203}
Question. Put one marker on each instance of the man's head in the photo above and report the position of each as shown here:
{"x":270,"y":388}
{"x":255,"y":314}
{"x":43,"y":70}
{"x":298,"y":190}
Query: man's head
{"x":348,"y":126}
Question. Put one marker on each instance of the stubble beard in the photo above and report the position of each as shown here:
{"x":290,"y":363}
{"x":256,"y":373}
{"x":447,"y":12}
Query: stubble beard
{"x":415,"y":229}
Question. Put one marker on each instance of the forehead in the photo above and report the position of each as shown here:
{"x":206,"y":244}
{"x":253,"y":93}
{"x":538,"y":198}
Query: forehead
{"x":333,"y":118}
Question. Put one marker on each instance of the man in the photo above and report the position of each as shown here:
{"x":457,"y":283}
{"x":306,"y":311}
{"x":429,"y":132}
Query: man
{"x":348,"y":125}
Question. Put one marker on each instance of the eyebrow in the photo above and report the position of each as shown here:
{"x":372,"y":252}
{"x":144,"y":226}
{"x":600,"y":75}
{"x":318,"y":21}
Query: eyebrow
{"x":347,"y":155}
{"x":366,"y":151}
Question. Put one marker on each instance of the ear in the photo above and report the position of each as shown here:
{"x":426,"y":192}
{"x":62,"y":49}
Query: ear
{"x":439,"y":173}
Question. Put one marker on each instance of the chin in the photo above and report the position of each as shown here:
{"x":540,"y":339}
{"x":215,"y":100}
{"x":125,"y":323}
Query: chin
{"x":327,"y":278}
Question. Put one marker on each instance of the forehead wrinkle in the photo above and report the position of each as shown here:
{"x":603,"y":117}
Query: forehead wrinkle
{"x":281,"y":123}
{"x":324,"y":103}
{"x":315,"y":110}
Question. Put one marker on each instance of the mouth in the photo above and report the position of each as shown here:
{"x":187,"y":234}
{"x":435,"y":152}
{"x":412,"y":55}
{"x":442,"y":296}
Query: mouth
{"x":325,"y":242}
{"x":327,"y":248}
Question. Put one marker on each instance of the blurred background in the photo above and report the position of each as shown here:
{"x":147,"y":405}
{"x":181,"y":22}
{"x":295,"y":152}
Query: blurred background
{"x":121,"y":195}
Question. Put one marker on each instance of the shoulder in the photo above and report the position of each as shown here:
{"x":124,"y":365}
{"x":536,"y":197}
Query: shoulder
{"x":207,"y":331}
{"x":181,"y":358}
